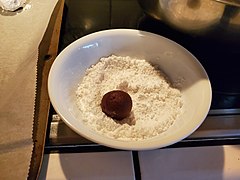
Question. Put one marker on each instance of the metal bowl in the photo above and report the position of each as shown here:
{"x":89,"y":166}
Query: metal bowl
{"x":213,"y":18}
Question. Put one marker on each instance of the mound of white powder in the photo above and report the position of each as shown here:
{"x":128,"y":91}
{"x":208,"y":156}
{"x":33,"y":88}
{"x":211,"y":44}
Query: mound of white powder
{"x":156,"y":104}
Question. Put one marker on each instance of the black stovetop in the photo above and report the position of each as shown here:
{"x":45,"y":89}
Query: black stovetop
{"x":219,"y":60}
{"x":82,"y":17}
{"x":222,"y":124}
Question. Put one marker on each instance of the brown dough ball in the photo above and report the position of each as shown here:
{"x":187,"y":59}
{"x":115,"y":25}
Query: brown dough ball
{"x":117,"y":104}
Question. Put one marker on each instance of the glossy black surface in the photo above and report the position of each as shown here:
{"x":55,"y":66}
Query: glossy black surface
{"x":82,"y":17}
{"x":220,"y":59}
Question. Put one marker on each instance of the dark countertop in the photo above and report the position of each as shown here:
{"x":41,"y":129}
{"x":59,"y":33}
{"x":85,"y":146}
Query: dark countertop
{"x":82,"y":17}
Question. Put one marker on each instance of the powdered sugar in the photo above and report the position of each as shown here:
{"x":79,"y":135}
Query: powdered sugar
{"x":156,"y":104}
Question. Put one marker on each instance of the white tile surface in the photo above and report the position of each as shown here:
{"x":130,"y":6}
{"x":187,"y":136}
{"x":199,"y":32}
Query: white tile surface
{"x":203,"y":163}
{"x":89,"y":166}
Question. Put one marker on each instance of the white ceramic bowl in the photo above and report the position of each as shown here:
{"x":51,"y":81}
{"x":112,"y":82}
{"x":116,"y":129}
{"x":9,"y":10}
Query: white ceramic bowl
{"x":174,"y":60}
